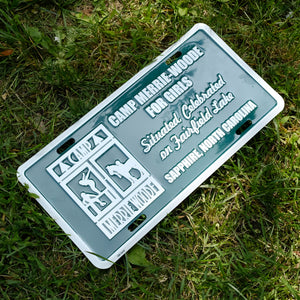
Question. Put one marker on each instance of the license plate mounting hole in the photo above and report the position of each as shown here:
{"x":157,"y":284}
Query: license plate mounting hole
{"x":66,"y":145}
{"x":175,"y":56}
{"x":243,"y":127}
{"x":137,"y":222}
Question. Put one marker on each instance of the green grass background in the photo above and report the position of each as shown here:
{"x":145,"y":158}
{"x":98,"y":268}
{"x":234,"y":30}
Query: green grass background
{"x":235,"y":237}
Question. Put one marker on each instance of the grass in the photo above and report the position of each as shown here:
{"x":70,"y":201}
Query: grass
{"x":236,"y":237}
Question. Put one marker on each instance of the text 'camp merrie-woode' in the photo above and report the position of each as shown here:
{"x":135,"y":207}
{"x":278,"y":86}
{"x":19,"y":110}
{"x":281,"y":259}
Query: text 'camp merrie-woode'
{"x":156,"y":86}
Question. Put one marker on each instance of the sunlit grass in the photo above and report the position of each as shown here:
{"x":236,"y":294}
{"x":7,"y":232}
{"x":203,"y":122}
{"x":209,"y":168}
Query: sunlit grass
{"x":236,"y":237}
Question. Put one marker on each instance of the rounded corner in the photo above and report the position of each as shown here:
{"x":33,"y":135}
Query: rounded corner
{"x":101,"y":264}
{"x":204,"y":27}
{"x":21,"y":174}
{"x":281,"y":103}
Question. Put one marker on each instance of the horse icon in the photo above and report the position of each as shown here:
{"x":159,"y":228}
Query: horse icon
{"x":128,"y":170}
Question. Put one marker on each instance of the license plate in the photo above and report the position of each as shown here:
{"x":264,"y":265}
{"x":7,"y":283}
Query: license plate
{"x":112,"y":176}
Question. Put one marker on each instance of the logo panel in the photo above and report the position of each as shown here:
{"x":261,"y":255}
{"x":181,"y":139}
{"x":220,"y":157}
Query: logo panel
{"x":105,"y":181}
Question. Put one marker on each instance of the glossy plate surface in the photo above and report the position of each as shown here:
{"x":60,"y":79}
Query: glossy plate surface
{"x":150,"y":144}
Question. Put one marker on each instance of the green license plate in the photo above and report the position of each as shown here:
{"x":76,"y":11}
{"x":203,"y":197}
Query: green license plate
{"x":112,"y":176}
